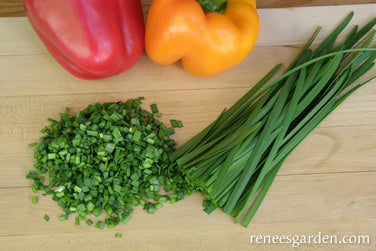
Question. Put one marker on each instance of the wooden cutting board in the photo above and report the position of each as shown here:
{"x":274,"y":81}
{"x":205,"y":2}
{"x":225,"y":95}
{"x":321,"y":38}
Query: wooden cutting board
{"x":326,"y":186}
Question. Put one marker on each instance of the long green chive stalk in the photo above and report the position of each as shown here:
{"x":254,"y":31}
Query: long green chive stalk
{"x":234,"y":161}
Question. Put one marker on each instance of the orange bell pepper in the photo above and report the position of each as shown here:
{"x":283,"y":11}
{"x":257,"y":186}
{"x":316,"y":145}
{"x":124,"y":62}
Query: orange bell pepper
{"x":207,"y":44}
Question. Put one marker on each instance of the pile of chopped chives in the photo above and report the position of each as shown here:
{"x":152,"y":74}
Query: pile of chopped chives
{"x":109,"y":158}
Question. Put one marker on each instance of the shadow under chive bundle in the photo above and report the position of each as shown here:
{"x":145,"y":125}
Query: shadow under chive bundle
{"x":109,"y":158}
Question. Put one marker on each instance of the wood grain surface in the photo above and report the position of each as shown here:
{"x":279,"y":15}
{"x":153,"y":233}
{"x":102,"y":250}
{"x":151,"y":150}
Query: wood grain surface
{"x":14,"y":8}
{"x":327,"y":185}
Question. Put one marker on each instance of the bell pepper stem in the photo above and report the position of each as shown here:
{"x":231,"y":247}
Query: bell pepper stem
{"x":213,"y":5}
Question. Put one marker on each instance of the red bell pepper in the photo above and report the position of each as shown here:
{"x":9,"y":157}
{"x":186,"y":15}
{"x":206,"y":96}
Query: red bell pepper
{"x":92,"y":39}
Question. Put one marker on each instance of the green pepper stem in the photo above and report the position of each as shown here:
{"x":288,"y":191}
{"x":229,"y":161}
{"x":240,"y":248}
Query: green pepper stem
{"x":213,"y":5}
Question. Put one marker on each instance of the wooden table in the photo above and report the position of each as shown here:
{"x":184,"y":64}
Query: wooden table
{"x":326,"y":186}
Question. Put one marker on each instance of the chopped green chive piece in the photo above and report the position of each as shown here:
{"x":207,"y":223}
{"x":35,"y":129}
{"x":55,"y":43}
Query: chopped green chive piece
{"x":46,"y":218}
{"x":158,"y":205}
{"x":51,"y":156}
{"x":34,"y":199}
{"x":154,"y":108}
{"x":32,"y":175}
{"x":63,"y":217}
{"x":163,"y":199}
{"x":150,"y":208}
{"x":89,"y":222}
{"x":90,"y":206}
{"x":116,"y":117}
{"x":92,"y":133}
{"x":77,"y":221}
{"x":170,"y":131}
{"x":81,"y":208}
{"x":137,"y":136}
{"x":97,"y":212}
{"x":126,"y":219}
{"x":110,"y":147}
{"x":100,"y":225}
{"x":32,"y":145}
{"x":176,"y":124}
{"x":112,"y":222}
{"x":108,"y":209}
{"x":117,"y":235}
{"x":135,"y":121}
